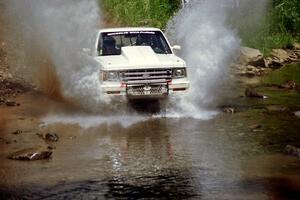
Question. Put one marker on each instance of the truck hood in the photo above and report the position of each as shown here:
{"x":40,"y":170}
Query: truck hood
{"x":134,"y":57}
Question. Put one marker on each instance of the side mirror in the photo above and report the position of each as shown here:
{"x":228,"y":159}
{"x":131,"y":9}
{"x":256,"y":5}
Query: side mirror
{"x":176,"y":47}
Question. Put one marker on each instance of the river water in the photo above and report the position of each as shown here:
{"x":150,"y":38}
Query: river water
{"x":152,"y":156}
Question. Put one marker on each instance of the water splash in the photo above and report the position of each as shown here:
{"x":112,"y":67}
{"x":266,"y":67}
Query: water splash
{"x":54,"y":34}
{"x":90,"y":121}
{"x":207,"y":30}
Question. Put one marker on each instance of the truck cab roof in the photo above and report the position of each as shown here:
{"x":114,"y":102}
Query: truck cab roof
{"x":122,"y":29}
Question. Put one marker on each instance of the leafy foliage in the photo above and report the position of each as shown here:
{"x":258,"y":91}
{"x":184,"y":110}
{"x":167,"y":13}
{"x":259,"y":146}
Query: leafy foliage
{"x":141,"y":12}
{"x":280,"y":28}
{"x":287,"y":15}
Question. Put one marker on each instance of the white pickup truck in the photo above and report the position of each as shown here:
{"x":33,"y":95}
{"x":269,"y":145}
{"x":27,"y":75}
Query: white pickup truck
{"x":139,"y":63}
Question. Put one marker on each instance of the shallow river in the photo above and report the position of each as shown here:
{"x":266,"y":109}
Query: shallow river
{"x":144,"y":156}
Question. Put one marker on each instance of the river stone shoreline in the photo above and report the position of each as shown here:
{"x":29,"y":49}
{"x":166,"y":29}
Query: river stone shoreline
{"x":251,"y":62}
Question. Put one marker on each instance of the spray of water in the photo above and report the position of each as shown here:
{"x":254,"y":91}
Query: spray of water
{"x":54,"y":34}
{"x":207,"y":30}
{"x":51,"y":35}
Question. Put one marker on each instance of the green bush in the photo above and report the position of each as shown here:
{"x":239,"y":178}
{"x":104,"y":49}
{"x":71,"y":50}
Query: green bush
{"x":280,"y":27}
{"x":140,"y":12}
{"x":287,"y":16}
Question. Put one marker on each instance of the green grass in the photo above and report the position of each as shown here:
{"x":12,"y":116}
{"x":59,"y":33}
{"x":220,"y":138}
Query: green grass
{"x":284,"y":74}
{"x":266,"y":42}
{"x":154,"y":13}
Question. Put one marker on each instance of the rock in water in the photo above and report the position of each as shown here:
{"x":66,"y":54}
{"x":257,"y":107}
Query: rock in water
{"x":12,"y":103}
{"x":288,"y":85}
{"x":31,"y":154}
{"x":297,"y":114}
{"x":17,"y":132}
{"x":291,"y":150}
{"x":251,"y":93}
{"x":229,"y":110}
{"x":255,"y":126}
{"x":51,"y":137}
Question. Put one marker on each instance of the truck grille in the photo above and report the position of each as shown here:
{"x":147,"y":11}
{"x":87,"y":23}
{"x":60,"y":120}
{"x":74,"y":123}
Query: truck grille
{"x":147,"y":90}
{"x":145,"y":76}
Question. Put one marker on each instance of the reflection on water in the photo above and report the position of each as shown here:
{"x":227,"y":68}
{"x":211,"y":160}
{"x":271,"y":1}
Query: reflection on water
{"x":171,"y":184}
{"x":166,"y":158}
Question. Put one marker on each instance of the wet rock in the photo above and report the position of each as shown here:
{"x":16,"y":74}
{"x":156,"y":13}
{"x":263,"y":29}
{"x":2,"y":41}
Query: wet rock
{"x":251,"y":93}
{"x":291,"y":150}
{"x":51,"y":147}
{"x":277,"y":108}
{"x":17,"y":132}
{"x":297,"y":114}
{"x":280,"y":55}
{"x":255,"y":126}
{"x":296,"y":46}
{"x":51,"y":137}
{"x":249,"y":55}
{"x":2,"y":100}
{"x":293,"y":56}
{"x":274,"y":63}
{"x":229,"y":110}
{"x":261,"y":62}
{"x":297,"y":53}
{"x":251,"y":68}
{"x":31,"y":154}
{"x":246,"y":70}
{"x":288,"y":85}
{"x":12,"y":103}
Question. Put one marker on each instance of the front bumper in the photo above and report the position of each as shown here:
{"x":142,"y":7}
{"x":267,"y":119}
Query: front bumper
{"x":145,"y":90}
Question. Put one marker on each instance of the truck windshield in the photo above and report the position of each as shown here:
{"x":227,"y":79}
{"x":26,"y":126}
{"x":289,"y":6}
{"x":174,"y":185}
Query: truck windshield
{"x":111,"y":43}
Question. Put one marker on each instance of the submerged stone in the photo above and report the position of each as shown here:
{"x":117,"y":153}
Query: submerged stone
{"x":288,"y":85}
{"x":229,"y":110}
{"x":17,"y":132}
{"x":251,"y":93}
{"x":51,"y":137}
{"x":297,"y":114}
{"x":12,"y":103}
{"x":291,"y":150}
{"x":31,"y":154}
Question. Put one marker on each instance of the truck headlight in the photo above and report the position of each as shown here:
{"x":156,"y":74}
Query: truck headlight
{"x":179,"y":73}
{"x":110,"y":76}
